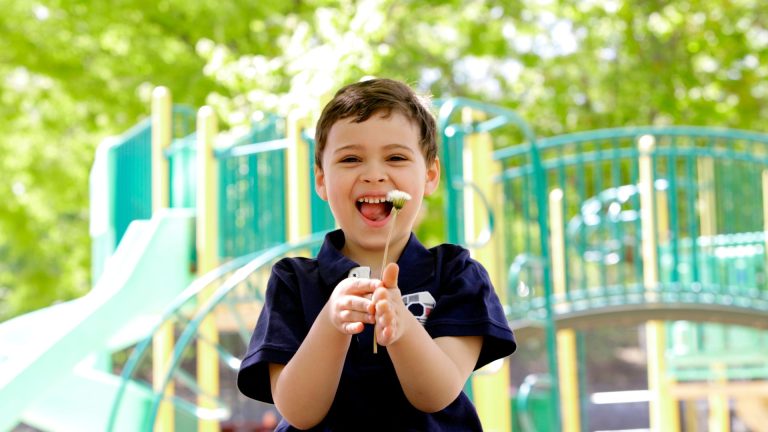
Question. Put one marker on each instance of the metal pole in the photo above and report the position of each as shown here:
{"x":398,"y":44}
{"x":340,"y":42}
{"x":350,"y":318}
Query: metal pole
{"x":162,"y":342}
{"x":207,"y":206}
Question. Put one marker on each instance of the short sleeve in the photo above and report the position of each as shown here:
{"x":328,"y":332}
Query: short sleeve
{"x":467,"y":305}
{"x":279,"y":332}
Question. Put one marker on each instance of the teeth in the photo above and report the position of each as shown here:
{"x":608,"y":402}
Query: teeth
{"x":371,"y":200}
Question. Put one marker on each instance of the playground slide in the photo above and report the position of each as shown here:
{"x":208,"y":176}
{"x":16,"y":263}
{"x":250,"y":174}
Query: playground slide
{"x":44,"y":355}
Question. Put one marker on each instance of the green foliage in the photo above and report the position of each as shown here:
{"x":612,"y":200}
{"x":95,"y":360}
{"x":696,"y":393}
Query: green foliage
{"x":73,"y":72}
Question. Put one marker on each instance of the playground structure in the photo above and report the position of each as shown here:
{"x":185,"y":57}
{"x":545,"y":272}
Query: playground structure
{"x":659,"y":227}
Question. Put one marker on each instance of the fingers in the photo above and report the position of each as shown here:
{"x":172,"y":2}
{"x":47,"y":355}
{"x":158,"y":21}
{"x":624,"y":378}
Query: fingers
{"x":350,"y":305}
{"x":386,"y":326}
{"x":389,"y":275}
{"x":356,"y":316}
{"x":359,"y":286}
{"x":387,"y":304}
{"x":353,"y":328}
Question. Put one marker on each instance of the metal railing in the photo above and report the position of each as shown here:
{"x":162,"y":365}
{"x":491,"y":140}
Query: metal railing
{"x":232,"y":295}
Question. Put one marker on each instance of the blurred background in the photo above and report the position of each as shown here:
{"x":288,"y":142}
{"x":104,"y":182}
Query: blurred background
{"x":75,"y":72}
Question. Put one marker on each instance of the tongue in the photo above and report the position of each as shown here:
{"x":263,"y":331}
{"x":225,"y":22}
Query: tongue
{"x":374,"y":212}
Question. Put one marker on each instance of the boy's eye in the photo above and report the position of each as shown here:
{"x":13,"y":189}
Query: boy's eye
{"x":398,"y":158}
{"x":349,"y":159}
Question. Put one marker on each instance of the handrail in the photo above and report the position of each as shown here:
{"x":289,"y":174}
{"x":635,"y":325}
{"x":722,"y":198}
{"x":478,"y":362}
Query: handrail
{"x":524,"y":392}
{"x":485,"y":234}
{"x":500,"y":117}
{"x":516,"y":267}
{"x":171,"y":311}
{"x":252,"y":148}
{"x":262,"y":259}
{"x":636,"y":131}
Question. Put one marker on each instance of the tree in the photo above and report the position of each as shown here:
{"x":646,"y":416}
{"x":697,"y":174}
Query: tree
{"x":75,"y":72}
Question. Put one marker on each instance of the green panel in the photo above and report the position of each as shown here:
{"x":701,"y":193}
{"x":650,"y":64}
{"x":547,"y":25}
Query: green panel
{"x":320,"y":213}
{"x":182,"y":171}
{"x":132,"y":177}
{"x":252,"y":194}
{"x":452,"y":151}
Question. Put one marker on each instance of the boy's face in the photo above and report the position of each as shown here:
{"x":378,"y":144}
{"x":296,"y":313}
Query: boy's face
{"x":364,"y":161}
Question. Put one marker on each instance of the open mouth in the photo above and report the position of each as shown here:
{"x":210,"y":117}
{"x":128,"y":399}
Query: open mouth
{"x":374,"y":209}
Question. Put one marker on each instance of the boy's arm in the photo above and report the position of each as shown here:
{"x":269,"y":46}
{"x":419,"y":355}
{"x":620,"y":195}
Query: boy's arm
{"x":303,"y":390}
{"x":432,"y":372}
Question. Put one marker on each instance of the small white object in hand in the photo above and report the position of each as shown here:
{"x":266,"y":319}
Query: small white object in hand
{"x":398,"y":198}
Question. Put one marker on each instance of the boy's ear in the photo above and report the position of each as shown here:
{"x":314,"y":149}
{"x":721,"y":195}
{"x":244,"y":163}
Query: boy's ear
{"x":433,"y":177}
{"x":320,"y":183}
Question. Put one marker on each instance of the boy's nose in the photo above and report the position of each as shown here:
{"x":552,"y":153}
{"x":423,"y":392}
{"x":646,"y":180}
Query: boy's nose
{"x":374,"y":176}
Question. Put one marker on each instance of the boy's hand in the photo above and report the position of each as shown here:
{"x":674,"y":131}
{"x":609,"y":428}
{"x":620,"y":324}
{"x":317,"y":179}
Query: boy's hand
{"x":389,"y":308}
{"x":350,"y":306}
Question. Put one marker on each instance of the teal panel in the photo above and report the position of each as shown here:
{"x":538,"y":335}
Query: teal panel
{"x":132,"y":177}
{"x":320,"y":213}
{"x":252,"y":191}
{"x":182,"y":171}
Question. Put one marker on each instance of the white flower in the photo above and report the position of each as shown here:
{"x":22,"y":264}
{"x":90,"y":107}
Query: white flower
{"x":398,"y":198}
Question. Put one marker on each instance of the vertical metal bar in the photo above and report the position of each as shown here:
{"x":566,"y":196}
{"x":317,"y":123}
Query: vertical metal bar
{"x":539,"y":176}
{"x":581,"y":189}
{"x":561,"y":182}
{"x":617,"y":229}
{"x":693,"y":229}
{"x":671,"y":212}
{"x":207,"y":357}
{"x":566,"y":338}
{"x":597,"y":178}
{"x":663,"y":412}
{"x":162,"y":342}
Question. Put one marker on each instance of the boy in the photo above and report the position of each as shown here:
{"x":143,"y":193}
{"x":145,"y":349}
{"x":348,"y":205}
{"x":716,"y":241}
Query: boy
{"x":436,"y":315}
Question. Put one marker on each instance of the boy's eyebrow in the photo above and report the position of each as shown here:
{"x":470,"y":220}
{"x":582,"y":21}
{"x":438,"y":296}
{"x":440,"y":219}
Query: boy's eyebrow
{"x":392,"y":146}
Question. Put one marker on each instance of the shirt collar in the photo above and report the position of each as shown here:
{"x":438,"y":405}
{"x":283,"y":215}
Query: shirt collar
{"x":416,"y":262}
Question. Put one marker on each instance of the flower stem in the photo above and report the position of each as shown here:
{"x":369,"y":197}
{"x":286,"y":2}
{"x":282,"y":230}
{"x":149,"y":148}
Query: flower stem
{"x":383,"y":263}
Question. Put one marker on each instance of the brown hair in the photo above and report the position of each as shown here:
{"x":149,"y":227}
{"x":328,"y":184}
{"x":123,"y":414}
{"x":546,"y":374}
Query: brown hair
{"x":363,"y":99}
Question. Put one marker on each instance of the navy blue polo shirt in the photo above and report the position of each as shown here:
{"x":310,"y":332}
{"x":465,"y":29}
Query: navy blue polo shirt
{"x":448,"y":291}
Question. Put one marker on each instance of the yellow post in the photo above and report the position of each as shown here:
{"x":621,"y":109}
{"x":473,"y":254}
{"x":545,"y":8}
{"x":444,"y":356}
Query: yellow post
{"x":490,"y":385}
{"x":297,"y":180}
{"x":719,"y":412}
{"x":567,"y":369}
{"x":663,"y":409}
{"x":161,"y":139}
{"x":207,"y":219}
{"x":662,"y":216}
{"x":719,"y":415}
{"x":162,"y":342}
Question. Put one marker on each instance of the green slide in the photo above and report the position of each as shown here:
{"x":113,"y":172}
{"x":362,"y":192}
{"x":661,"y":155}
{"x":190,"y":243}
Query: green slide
{"x":47,"y":373}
